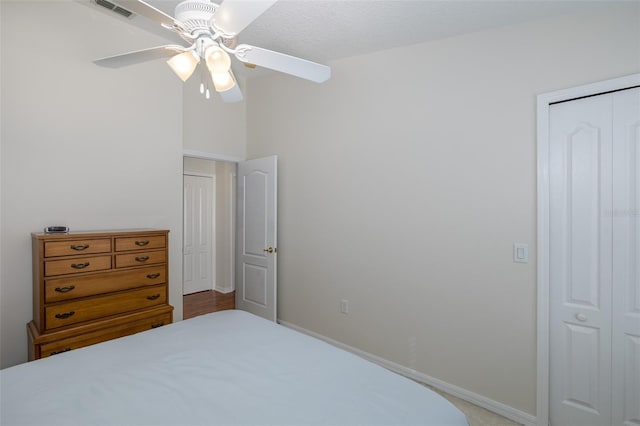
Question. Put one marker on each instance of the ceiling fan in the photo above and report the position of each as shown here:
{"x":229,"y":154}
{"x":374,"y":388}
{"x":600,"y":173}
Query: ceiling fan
{"x":212,"y":30}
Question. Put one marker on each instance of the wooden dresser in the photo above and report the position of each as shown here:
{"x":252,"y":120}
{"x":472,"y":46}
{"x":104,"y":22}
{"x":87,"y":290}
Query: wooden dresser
{"x":89,"y":287}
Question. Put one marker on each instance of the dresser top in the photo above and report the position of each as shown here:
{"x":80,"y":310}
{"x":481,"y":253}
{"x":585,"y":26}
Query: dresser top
{"x":99,"y":233}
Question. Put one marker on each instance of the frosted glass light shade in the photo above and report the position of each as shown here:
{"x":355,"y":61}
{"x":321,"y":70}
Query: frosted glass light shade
{"x":218,"y":61}
{"x":184,"y":64}
{"x":223,"y":81}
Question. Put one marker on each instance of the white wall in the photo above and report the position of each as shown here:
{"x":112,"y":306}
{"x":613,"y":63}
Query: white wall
{"x":83,"y":146}
{"x":198,"y":165}
{"x":403,"y":190}
{"x":213,"y":126}
{"x":225,"y":226}
{"x":217,"y":130}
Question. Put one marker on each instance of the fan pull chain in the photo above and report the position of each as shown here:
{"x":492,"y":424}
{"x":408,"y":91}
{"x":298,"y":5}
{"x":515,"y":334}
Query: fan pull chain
{"x":206,"y":92}
{"x":201,"y":80}
{"x":204,"y":83}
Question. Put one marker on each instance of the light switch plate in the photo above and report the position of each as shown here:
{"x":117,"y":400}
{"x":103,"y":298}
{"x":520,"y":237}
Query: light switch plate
{"x":521,"y":253}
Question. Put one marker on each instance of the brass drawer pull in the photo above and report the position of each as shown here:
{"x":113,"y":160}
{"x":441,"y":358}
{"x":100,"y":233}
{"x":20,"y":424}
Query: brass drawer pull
{"x":156,"y":325}
{"x":79,"y":265}
{"x":79,"y":247}
{"x":153,"y":297}
{"x":142,"y":243}
{"x":59,"y":352}
{"x":65,"y":289}
{"x":142,"y":258}
{"x":65,"y":315}
{"x":153,"y":276}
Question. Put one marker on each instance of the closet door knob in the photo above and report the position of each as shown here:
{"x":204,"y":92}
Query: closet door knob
{"x":581,"y":317}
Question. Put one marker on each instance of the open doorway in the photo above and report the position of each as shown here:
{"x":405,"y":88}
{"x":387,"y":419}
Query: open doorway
{"x":208,"y":236}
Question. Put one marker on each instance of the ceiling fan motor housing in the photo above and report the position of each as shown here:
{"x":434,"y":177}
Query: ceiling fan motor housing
{"x":195,"y":14}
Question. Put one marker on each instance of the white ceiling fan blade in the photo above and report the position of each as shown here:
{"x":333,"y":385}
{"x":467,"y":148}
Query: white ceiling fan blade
{"x":283,"y":63}
{"x":145,"y":9}
{"x":139,"y":56}
{"x":234,"y":16}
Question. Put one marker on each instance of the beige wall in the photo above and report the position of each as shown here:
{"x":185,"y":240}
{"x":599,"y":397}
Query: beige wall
{"x":83,"y":146}
{"x":225,"y":226}
{"x":91,"y":147}
{"x":198,"y":165}
{"x":212,"y":126}
{"x":402,"y":189}
{"x":217,"y":129}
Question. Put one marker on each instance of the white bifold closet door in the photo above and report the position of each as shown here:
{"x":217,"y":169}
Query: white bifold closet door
{"x":594,"y":173}
{"x":198,"y":245}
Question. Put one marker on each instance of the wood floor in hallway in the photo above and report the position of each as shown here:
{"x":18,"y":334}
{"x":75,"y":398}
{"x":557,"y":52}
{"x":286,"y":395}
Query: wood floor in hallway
{"x":205,"y":302}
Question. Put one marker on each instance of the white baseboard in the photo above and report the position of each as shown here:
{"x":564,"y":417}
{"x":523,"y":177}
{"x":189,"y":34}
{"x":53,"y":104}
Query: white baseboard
{"x":479,"y":400}
{"x":224,"y":290}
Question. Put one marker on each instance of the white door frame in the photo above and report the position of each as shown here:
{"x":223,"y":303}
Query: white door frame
{"x":544,"y":102}
{"x":227,"y":158}
{"x":213,"y":157}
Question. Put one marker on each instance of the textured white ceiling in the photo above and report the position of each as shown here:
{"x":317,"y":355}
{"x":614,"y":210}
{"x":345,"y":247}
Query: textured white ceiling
{"x":329,"y":29}
{"x":323,"y":30}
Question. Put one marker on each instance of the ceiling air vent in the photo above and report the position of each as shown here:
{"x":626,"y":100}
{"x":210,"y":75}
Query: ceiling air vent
{"x":115,"y":8}
{"x":122,"y":11}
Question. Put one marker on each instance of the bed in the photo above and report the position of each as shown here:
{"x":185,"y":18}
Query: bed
{"x":225,"y":368}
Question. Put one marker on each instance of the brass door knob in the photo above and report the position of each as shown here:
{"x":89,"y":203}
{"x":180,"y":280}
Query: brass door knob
{"x":270,"y":250}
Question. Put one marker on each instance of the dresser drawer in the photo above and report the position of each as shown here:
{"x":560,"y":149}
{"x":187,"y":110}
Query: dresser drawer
{"x":77,"y":311}
{"x":75,"y":266}
{"x":140,"y":243}
{"x":75,"y":247}
{"x":60,"y":289}
{"x":79,"y":341}
{"x":142,"y":258}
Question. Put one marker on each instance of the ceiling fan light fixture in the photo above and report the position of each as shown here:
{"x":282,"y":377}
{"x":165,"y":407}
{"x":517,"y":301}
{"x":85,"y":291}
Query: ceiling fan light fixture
{"x":184,"y":64}
{"x":218,"y":61}
{"x":223,"y":81}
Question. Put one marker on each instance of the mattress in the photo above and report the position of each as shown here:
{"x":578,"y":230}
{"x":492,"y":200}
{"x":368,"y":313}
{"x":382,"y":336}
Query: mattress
{"x":225,"y":368}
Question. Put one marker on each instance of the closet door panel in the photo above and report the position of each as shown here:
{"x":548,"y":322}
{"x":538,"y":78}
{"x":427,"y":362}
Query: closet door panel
{"x":626,"y":258}
{"x":580,"y":262}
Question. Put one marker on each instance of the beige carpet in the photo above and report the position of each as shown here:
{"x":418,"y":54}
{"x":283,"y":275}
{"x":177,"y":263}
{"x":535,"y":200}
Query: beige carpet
{"x":477,"y":416}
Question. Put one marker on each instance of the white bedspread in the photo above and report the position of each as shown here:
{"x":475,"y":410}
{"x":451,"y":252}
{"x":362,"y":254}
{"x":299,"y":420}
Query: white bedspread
{"x":227,"y":368}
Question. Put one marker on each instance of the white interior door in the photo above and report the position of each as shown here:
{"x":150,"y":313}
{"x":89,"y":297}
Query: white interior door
{"x":257,"y":237}
{"x":198,"y":256}
{"x":626,"y":259}
{"x":594,"y":292}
